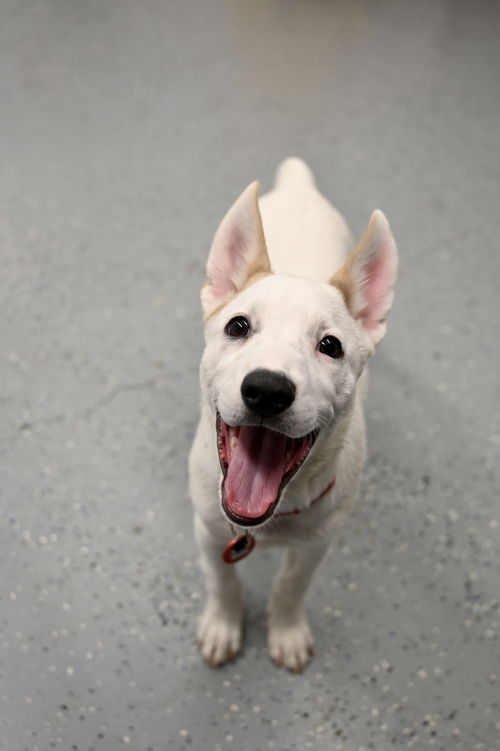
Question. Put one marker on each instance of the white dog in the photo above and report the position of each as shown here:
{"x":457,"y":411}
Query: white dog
{"x":291,"y":320}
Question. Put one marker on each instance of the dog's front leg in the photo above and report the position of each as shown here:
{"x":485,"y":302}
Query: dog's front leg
{"x":291,"y":643}
{"x":221,"y":625}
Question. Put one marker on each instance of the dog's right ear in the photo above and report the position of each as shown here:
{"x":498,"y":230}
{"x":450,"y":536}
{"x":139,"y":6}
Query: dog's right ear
{"x":367,"y":278}
{"x":238,"y":252}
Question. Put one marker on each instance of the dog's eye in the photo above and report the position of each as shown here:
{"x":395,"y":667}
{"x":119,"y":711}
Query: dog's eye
{"x":331,"y":346}
{"x":237,"y":327}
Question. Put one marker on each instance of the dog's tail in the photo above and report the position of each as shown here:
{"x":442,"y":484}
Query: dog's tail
{"x":294,"y":170}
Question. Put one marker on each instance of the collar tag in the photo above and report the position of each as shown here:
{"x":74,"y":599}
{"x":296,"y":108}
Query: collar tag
{"x":238,"y":548}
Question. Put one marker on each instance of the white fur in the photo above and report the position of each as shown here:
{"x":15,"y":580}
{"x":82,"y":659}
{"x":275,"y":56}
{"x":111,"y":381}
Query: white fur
{"x":300,"y":224}
{"x":291,"y":311}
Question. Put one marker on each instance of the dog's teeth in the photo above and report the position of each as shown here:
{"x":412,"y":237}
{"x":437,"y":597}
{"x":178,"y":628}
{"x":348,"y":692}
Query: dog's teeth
{"x":233,"y":443}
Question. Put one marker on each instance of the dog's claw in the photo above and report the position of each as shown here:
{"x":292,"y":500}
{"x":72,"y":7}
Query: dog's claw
{"x":278,"y":660}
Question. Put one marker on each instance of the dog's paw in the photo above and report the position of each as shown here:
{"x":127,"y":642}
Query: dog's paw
{"x":219,"y":639}
{"x":292,"y":645}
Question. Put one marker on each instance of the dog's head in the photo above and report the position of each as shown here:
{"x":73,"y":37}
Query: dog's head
{"x":283,"y":353}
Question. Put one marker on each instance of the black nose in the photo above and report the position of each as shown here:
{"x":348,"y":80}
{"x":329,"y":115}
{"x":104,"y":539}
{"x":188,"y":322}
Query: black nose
{"x":266,"y":392}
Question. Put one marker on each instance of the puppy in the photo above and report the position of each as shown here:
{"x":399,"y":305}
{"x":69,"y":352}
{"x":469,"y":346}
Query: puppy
{"x":291,"y":320}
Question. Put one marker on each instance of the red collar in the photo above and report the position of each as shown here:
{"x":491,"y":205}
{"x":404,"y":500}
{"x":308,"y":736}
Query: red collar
{"x":241,"y":546}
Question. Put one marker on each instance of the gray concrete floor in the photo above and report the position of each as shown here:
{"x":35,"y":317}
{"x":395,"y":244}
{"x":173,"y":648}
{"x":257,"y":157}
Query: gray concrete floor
{"x":127,"y":128}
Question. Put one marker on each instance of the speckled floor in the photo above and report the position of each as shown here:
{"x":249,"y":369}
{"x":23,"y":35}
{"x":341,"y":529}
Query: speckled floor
{"x":126,"y":130}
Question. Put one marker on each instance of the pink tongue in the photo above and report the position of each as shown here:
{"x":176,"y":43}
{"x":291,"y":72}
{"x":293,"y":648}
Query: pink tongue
{"x":255,"y":471}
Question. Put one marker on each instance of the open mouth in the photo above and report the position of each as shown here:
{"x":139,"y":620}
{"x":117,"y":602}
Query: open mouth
{"x":256,"y":463}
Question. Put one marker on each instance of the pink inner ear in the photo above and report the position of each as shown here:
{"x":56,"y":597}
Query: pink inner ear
{"x":224,"y":273}
{"x":377,"y":287}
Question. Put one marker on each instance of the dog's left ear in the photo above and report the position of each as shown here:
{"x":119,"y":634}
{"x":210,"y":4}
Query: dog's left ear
{"x":367,"y":278}
{"x":238,"y":251}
